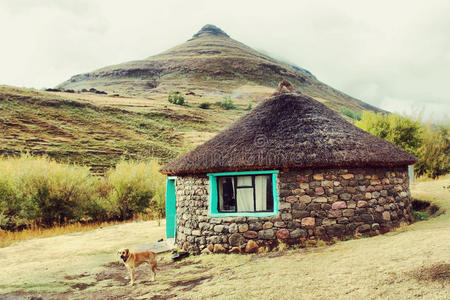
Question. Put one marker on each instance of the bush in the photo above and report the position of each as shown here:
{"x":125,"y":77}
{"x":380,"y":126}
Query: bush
{"x":42,"y":192}
{"x":434,"y":154}
{"x":226,"y":103}
{"x":133,"y":187}
{"x":205,"y":105}
{"x":249,"y":107}
{"x":401,"y":131}
{"x":355,"y":115}
{"x":430,"y":144}
{"x":176,"y":98}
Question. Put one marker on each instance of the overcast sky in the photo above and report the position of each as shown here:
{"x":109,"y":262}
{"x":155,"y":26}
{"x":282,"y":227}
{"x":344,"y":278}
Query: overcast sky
{"x":392,"y":54}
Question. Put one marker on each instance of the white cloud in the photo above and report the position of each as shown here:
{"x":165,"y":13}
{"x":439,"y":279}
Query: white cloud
{"x":382,"y":52}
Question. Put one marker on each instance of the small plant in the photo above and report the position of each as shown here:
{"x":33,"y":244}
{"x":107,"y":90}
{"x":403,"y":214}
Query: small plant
{"x":176,"y":98}
{"x":282,"y":246}
{"x":249,"y":107}
{"x":226,"y":103}
{"x":355,"y":115}
{"x":205,"y":105}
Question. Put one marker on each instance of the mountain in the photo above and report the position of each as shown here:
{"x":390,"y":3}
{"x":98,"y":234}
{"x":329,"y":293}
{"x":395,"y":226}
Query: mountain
{"x":210,"y":62}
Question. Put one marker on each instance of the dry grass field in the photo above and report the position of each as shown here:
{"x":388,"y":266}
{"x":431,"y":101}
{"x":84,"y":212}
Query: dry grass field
{"x":412,"y":262}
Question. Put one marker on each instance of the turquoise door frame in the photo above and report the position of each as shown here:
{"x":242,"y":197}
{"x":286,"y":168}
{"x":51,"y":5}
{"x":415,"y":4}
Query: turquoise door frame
{"x":171,"y":211}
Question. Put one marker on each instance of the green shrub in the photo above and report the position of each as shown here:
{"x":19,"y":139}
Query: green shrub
{"x":249,"y":107}
{"x":401,"y":131}
{"x":430,"y":144}
{"x":355,"y":115}
{"x":226,"y":103}
{"x":434,"y":154}
{"x":205,"y":105}
{"x":43,"y":192}
{"x":176,"y":98}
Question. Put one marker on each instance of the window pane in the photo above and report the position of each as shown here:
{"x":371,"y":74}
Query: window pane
{"x":226,"y":194}
{"x":261,"y":192}
{"x":244,"y":181}
{"x":245,"y":199}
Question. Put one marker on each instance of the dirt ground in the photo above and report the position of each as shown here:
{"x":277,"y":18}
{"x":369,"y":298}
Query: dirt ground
{"x":412,"y":262}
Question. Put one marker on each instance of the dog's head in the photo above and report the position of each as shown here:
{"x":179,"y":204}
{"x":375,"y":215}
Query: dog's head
{"x":124,"y":254}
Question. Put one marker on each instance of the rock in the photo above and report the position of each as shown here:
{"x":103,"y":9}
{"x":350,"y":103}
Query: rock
{"x":379,"y":209}
{"x":256,"y":226}
{"x":251,"y":247}
{"x":206,"y":251}
{"x":368,"y":196}
{"x":351,"y":204}
{"x":326,"y":183}
{"x":235,"y":250}
{"x":297,"y":233}
{"x":363,"y":228}
{"x":286,"y":216}
{"x":335,"y":230}
{"x":320,"y":200}
{"x":284,"y":206}
{"x":319,"y":190}
{"x":233,"y":228}
{"x":348,"y":212}
{"x":308,"y":222}
{"x":345,"y":196}
{"x":279,"y":224}
{"x":267,"y":234}
{"x":218,"y":228}
{"x":213,"y":239}
{"x":210,"y":247}
{"x":327,"y":222}
{"x":386,"y":216}
{"x":304,"y":186}
{"x":305,"y":199}
{"x":299,"y":214}
{"x":267,"y":225}
{"x":334,"y":213}
{"x":291,"y":199}
{"x":250,"y":234}
{"x":347,"y":176}
{"x":236,"y":240}
{"x":375,"y":226}
{"x":318,"y":177}
{"x":362,"y":204}
{"x":339,"y":205}
{"x":196,"y":232}
{"x":282,"y":234}
{"x":218,"y":248}
{"x":375,"y":195}
{"x":243,"y":227}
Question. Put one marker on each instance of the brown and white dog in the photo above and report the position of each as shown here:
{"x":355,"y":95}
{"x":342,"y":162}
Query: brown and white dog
{"x":135,"y":259}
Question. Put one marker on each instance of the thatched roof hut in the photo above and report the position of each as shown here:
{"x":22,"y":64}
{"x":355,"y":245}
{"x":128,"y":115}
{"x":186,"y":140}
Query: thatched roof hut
{"x":291,"y":170}
{"x":289,"y":130}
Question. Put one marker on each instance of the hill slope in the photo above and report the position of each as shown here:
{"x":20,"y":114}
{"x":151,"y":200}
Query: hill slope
{"x":98,"y":130}
{"x":210,"y":62}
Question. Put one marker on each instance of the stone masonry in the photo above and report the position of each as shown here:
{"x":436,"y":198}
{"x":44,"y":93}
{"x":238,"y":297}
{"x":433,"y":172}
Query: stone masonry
{"x":313,"y":204}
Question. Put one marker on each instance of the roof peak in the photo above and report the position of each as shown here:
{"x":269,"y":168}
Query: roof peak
{"x":210,"y":29}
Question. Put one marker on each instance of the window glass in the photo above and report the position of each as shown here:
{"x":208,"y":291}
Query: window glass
{"x":251,"y":193}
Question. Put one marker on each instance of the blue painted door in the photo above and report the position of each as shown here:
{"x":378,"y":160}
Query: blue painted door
{"x":171,"y":211}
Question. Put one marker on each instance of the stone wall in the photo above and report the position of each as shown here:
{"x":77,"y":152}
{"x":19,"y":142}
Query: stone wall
{"x":313,"y":204}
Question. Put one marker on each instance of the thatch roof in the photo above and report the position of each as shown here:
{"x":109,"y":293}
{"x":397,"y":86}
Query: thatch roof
{"x":288,"y":131}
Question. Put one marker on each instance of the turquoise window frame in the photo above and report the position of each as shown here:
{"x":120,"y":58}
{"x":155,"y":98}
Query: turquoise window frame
{"x":213,"y":197}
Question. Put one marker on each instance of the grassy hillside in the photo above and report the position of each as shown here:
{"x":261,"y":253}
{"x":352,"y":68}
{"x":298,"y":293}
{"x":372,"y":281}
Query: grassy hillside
{"x":209,"y":63}
{"x":409,"y":263}
{"x":98,"y":130}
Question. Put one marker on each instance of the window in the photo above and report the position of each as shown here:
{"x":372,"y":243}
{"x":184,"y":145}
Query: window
{"x":243,"y":193}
